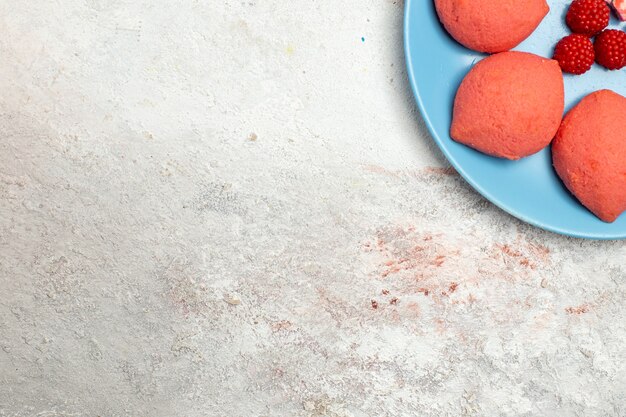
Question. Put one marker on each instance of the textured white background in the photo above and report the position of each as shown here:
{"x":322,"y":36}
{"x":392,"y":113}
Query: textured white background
{"x":202,"y":202}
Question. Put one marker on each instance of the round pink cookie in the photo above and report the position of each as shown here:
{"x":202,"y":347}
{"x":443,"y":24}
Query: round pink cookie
{"x":509,"y":105}
{"x":491,"y":25}
{"x":589,"y":153}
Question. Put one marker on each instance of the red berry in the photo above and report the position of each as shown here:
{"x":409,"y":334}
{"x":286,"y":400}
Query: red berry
{"x":588,"y":17}
{"x":610,"y":47}
{"x":574,"y":54}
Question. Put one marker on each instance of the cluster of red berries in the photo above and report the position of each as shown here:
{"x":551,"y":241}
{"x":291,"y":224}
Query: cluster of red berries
{"x":576,"y":53}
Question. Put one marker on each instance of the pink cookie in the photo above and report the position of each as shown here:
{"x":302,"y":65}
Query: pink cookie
{"x":509,"y":105}
{"x":491,"y":25}
{"x":589,"y":153}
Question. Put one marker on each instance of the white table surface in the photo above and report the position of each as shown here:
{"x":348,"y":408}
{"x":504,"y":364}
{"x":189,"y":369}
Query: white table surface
{"x":202,"y":202}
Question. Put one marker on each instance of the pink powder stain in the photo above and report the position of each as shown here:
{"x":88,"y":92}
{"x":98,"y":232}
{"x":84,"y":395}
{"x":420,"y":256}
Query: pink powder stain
{"x":337,"y":308}
{"x":527,"y":254}
{"x":409,"y":256}
{"x":581,"y":309}
{"x":436,"y":277}
{"x":408,"y":250}
{"x":414,"y":308}
{"x":281,"y":325}
{"x":424,"y":291}
{"x":440,"y":171}
{"x":590,"y":306}
{"x":510,"y":252}
{"x":420,"y":262}
{"x":541,"y":321}
{"x":375,"y":169}
{"x":440,"y":326}
{"x":539,"y":251}
{"x":439,"y":260}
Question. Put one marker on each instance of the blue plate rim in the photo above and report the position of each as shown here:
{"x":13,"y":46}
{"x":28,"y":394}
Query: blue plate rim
{"x":459,"y":168}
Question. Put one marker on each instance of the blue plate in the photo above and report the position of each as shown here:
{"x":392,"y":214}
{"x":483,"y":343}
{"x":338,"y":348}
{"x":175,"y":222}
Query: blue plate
{"x":528,"y":189}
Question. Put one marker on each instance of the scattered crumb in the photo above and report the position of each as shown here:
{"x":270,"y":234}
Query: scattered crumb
{"x":374,"y":304}
{"x":252,"y":137}
{"x":233,"y":300}
{"x":393,"y":301}
{"x":385,"y":292}
{"x":452,"y":288}
{"x":544,"y":283}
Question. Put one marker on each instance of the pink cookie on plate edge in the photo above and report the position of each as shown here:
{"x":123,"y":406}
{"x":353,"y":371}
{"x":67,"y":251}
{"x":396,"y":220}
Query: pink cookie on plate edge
{"x":589,"y":153}
{"x":491,"y":25}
